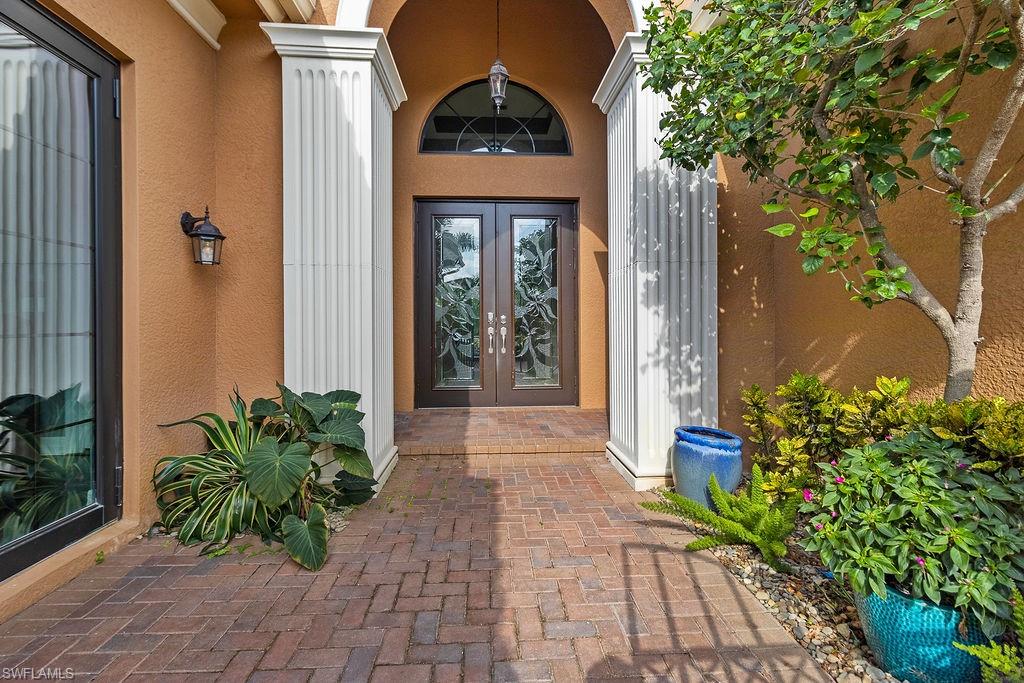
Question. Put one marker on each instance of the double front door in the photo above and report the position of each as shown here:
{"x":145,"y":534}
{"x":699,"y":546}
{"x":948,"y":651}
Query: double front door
{"x":495,"y":304}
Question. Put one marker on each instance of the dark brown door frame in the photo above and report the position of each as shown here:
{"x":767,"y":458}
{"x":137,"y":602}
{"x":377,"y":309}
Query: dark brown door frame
{"x":427,"y":396}
{"x":496,"y":385}
{"x":566,"y":392}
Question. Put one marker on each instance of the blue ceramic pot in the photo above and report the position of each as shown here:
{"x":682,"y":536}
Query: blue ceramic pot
{"x":913,"y":639}
{"x":700,"y":452}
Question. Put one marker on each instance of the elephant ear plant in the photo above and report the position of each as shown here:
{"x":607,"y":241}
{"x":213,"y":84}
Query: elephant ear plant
{"x":262,"y":473}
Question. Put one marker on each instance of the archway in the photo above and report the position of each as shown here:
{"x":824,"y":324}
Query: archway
{"x":559,"y":49}
{"x":619,"y":16}
{"x":344,"y":143}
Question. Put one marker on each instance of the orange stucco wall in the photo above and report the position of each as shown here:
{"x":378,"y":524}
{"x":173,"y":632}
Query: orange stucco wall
{"x":817,"y":329}
{"x":250,"y":292}
{"x":561,"y":50}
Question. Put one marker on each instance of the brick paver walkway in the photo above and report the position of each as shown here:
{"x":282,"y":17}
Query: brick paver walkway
{"x":505,"y":568}
{"x":501,"y":430}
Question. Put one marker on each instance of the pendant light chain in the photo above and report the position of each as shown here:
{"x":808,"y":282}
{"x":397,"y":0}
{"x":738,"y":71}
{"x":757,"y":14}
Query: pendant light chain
{"x":498,"y":75}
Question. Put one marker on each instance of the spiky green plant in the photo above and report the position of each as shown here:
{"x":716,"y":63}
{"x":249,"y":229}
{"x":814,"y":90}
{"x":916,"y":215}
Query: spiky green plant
{"x":1002,"y":662}
{"x":747,"y":518}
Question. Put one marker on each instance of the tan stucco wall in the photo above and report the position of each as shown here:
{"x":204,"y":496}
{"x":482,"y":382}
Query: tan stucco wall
{"x":561,"y":50}
{"x":746,"y":295}
{"x":817,"y":329}
{"x":250,"y":296}
{"x":168,"y":78}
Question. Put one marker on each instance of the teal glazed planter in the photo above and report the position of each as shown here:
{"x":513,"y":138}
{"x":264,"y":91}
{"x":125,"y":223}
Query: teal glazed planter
{"x":700,"y":452}
{"x":913,"y":639}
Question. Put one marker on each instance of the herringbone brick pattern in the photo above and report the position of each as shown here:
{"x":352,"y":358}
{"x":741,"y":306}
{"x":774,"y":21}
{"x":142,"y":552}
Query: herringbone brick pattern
{"x":490,"y":567}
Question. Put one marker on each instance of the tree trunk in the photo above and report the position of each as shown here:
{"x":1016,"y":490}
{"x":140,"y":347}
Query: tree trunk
{"x":963,"y":353}
{"x":963,"y":339}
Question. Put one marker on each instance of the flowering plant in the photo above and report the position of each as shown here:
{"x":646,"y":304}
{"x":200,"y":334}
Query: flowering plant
{"x":917,"y":514}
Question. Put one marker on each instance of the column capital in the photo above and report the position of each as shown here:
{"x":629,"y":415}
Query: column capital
{"x":631,"y":53}
{"x":346,"y":44}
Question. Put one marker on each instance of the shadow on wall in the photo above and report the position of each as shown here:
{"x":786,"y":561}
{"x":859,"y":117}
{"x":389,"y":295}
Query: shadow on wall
{"x":746,"y":295}
{"x":672,"y":263}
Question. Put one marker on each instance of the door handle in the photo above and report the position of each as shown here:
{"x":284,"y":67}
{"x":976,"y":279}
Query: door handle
{"x":490,"y":339}
{"x":504,"y":330}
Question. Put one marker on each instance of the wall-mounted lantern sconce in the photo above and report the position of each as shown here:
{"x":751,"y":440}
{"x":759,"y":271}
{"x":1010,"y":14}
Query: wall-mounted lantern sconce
{"x":206,"y":238}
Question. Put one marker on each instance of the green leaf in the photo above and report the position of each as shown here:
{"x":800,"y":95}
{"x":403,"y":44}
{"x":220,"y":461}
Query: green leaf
{"x":354,"y":461}
{"x":939,"y":71}
{"x":883,"y":182}
{"x":318,"y":406}
{"x":923,"y":150}
{"x":341,"y":431}
{"x":353,"y":489}
{"x":932,"y":110}
{"x":867,"y":59}
{"x":782,"y":229}
{"x":264,"y":407}
{"x":948,"y":156}
{"x":306,"y":541}
{"x":275,"y":471}
{"x":773,"y":208}
{"x":812,"y":264}
{"x":1002,"y":57}
{"x":342,"y":398}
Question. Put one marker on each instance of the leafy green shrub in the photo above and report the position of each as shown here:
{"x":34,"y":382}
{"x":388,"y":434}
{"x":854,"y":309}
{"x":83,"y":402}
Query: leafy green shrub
{"x":919,"y":513}
{"x":804,"y":421}
{"x":748,"y":519}
{"x":260,"y":474}
{"x":1002,"y":662}
{"x":987,"y":429}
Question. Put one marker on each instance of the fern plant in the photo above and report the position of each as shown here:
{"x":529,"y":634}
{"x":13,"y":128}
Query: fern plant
{"x":747,"y":518}
{"x":1002,"y":662}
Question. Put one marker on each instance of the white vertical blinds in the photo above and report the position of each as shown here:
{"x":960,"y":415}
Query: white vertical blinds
{"x":46,"y":212}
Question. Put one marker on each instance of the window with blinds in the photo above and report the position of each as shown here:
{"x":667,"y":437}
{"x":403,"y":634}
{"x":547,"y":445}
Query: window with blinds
{"x":59,"y":277}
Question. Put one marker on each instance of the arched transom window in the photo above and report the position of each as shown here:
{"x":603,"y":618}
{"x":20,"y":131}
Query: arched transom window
{"x":465,"y":122}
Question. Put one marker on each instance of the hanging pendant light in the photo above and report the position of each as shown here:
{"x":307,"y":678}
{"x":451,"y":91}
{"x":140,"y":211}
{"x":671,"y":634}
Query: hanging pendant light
{"x":498,"y":76}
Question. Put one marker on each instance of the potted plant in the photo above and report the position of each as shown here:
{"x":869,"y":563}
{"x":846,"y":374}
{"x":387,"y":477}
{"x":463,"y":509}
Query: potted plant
{"x":932,"y":542}
{"x":700,"y":452}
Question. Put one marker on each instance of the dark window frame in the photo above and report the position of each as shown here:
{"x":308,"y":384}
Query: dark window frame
{"x":435,"y":110}
{"x":52,"y":33}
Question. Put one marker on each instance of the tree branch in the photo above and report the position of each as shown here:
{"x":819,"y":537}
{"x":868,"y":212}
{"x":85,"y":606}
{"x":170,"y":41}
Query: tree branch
{"x":1004,"y":120}
{"x":1008,"y":205}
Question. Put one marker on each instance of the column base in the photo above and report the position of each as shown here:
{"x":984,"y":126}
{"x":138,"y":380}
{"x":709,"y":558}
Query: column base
{"x":386,"y":467}
{"x":638,"y":481}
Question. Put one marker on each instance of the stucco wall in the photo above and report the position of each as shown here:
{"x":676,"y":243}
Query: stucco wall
{"x":250,"y":302}
{"x":817,"y":329}
{"x":559,"y":49}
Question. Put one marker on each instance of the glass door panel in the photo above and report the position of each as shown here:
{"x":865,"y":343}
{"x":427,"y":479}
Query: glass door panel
{"x":535,"y":301}
{"x":454,"y":287}
{"x":536,"y":288}
{"x":59,"y":257}
{"x":457,"y":243}
{"x":495,"y":304}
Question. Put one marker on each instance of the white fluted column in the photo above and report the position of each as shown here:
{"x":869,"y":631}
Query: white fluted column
{"x":662,"y":281}
{"x":340,"y":88}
